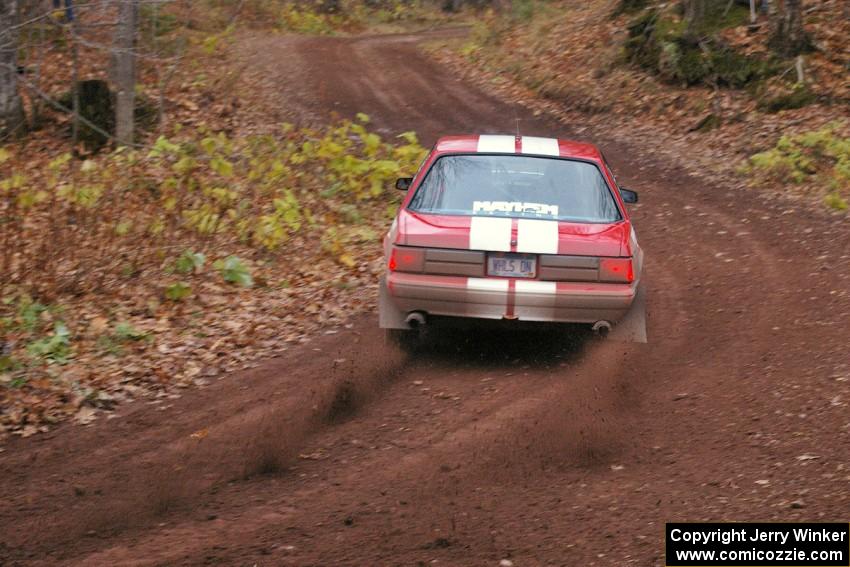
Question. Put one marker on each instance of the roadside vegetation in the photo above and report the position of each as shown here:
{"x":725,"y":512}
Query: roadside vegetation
{"x":330,"y":17}
{"x":334,"y":18}
{"x":704,"y":78}
{"x":114,"y":261}
{"x":819,"y":159}
{"x":135,"y":269}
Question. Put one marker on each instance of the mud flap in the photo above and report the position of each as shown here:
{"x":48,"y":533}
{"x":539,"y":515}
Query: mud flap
{"x":632,"y":327}
{"x":389,"y":316}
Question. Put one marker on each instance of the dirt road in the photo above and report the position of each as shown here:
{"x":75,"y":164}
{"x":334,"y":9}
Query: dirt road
{"x":538,"y":449}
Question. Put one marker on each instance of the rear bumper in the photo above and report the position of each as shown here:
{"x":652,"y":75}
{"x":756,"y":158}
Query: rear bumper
{"x":497,"y":298}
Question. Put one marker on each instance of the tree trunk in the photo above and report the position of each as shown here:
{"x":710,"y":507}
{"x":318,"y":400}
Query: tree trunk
{"x":694,"y":15}
{"x":125,"y":70}
{"x":788,"y":37}
{"x":11,"y":109}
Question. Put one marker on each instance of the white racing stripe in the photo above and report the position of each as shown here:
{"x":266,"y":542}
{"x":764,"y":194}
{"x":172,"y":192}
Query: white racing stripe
{"x":486,"y":297}
{"x":497,"y":144}
{"x":539,"y":146}
{"x":490,"y":233}
{"x":487,"y":284}
{"x":535,"y":300}
{"x":537,"y":236}
{"x":531,"y":286}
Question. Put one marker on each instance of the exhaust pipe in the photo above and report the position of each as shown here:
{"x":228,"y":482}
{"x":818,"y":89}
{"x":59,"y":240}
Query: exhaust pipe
{"x":415,"y":320}
{"x":602,"y":328}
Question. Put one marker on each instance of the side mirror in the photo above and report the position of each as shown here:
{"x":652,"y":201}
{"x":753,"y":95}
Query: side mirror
{"x":403,"y":183}
{"x":628,"y":195}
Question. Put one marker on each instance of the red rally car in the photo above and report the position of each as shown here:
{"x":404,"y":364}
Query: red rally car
{"x":514,"y":228}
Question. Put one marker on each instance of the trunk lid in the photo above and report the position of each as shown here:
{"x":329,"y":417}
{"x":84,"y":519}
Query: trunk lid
{"x":510,"y":234}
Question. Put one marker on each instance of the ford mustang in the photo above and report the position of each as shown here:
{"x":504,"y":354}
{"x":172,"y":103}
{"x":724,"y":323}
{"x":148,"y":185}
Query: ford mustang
{"x":513,"y":228}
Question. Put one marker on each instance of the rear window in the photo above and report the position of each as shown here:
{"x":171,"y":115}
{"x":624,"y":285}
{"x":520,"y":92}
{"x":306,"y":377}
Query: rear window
{"x":516,"y":186}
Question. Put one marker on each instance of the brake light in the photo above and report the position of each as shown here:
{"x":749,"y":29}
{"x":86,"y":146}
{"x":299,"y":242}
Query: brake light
{"x":406,"y":259}
{"x":619,"y":270}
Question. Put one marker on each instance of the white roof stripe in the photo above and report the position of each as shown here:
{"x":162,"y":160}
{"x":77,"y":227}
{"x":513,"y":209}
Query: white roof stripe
{"x":497,"y":144}
{"x":539,"y":146}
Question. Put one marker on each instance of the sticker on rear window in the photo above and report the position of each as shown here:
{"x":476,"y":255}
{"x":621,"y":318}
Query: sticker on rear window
{"x":514,"y":207}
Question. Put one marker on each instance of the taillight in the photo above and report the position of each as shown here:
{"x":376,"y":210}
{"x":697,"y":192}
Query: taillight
{"x":619,"y":270}
{"x":406,"y":259}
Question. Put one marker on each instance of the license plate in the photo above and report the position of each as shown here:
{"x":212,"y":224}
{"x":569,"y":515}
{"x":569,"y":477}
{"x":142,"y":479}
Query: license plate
{"x":512,"y":265}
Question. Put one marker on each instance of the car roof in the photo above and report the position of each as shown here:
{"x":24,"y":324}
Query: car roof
{"x":509,"y":144}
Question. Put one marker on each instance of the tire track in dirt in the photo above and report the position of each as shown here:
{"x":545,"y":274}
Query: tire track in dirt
{"x":489,"y":424}
{"x":511,"y":440}
{"x":493,"y":445}
{"x":179,"y":460}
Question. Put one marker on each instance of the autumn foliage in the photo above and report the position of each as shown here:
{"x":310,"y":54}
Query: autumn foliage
{"x":196,"y":209}
{"x":705,"y":84}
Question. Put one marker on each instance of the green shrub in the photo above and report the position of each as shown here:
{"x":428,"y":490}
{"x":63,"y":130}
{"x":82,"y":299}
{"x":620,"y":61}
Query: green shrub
{"x":300,"y":19}
{"x":178,"y":291}
{"x":821,"y":157}
{"x":29,"y":312}
{"x":798,"y":97}
{"x":642,"y":45}
{"x":234,"y":271}
{"x":54,"y":348}
{"x":189,"y":262}
{"x":7,"y":362}
{"x":661,"y":44}
{"x":123,"y":333}
{"x":196,"y":191}
{"x":835,"y":201}
{"x":523,"y":10}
